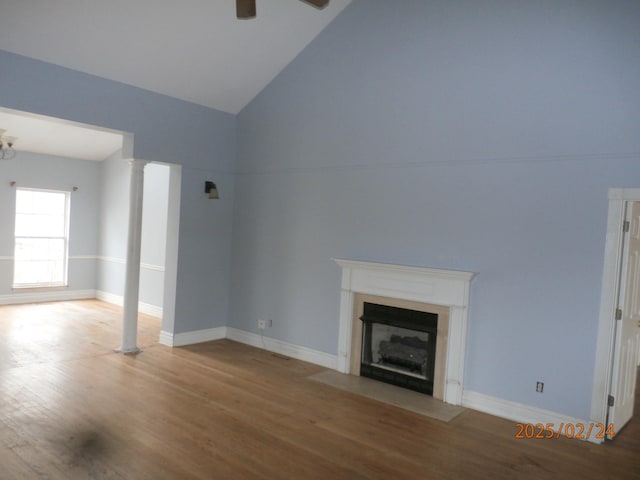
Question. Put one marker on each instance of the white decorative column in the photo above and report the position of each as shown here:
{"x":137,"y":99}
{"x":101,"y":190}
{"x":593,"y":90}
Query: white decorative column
{"x":132,"y":275}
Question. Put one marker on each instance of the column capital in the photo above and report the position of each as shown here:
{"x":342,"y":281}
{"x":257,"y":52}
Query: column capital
{"x":135,"y":163}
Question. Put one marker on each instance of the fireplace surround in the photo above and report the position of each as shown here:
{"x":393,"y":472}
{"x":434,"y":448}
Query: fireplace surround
{"x":443,"y":292}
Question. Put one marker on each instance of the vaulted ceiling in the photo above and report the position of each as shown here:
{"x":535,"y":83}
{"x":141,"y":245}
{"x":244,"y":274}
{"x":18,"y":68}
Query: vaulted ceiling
{"x":194,"y":50}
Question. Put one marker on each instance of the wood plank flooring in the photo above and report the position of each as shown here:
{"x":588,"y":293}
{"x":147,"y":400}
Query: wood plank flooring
{"x":72,"y":408}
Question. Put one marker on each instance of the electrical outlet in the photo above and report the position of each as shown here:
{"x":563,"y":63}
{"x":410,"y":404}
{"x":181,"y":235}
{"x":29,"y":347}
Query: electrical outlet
{"x":262,"y":324}
{"x":539,"y":387}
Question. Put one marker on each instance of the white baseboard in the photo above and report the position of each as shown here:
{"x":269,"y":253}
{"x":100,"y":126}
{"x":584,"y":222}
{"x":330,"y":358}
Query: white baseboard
{"x":189,"y":338}
{"x":525,"y":414}
{"x":517,"y":412}
{"x":284,"y":348}
{"x":514,"y":411}
{"x":110,"y":297}
{"x":46,"y":296}
{"x":145,"y":308}
{"x":277,"y":346}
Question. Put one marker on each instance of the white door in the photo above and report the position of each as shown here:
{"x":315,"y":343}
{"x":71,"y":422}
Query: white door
{"x":627,"y":344}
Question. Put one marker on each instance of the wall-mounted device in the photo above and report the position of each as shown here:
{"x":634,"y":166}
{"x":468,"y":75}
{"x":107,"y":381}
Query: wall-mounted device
{"x":211,"y":190}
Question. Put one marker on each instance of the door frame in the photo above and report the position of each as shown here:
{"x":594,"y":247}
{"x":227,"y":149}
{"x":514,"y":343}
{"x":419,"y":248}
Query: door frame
{"x":605,"y":348}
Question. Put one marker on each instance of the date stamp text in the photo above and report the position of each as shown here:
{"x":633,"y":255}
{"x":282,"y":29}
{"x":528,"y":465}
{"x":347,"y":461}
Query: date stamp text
{"x":582,"y":431}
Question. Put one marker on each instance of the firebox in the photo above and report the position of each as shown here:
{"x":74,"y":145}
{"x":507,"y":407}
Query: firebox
{"x":399,"y":346}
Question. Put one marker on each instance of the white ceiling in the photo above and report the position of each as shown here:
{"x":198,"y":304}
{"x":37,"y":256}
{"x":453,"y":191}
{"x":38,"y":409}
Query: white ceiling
{"x":194,"y":50}
{"x":39,"y":134}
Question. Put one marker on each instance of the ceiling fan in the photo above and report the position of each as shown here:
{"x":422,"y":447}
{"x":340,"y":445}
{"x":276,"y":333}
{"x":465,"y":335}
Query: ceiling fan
{"x":247,"y":8}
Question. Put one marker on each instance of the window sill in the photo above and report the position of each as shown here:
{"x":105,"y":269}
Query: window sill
{"x":33,"y":288}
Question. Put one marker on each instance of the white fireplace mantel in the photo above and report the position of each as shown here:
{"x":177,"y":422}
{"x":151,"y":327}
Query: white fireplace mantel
{"x":448,"y":288}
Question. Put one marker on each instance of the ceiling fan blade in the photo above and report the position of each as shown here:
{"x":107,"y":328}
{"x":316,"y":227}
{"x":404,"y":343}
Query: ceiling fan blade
{"x":246,"y":8}
{"x":317,"y":3}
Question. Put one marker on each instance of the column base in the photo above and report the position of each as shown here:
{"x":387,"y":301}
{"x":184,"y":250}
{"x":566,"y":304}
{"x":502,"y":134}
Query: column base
{"x":128,"y":351}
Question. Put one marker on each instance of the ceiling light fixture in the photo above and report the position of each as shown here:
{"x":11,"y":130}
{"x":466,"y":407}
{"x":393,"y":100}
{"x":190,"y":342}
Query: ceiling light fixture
{"x":247,"y":8}
{"x":6,"y":146}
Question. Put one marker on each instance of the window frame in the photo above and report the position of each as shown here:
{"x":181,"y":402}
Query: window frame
{"x":64,"y":238}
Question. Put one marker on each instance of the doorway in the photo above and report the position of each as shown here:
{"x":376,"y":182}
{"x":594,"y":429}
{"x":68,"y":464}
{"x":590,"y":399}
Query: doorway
{"x":98,"y":252}
{"x":618,"y":347}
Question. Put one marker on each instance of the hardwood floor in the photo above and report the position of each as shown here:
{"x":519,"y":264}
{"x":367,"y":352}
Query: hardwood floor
{"x":72,"y":408}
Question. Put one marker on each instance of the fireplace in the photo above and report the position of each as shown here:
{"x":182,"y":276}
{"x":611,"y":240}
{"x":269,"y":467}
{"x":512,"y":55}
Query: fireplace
{"x":444,"y":293}
{"x":399,"y":346}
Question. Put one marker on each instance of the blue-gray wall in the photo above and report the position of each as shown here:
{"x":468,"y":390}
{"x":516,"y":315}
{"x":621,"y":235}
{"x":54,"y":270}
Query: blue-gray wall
{"x":32,"y":170}
{"x":154,"y":233}
{"x":166,"y":130}
{"x":474,"y":135}
{"x":471,"y":135}
{"x":115,"y":175}
{"x":114,"y":223}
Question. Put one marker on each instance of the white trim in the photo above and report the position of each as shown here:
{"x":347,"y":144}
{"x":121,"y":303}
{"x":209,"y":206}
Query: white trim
{"x":448,"y":288}
{"x":166,"y":338}
{"x":171,"y":251}
{"x":149,"y":266}
{"x":112,"y":259}
{"x":283,"y":348}
{"x":189,"y":338}
{"x":522,"y":413}
{"x":498,"y":407}
{"x":46,"y":296}
{"x":151,"y":310}
{"x":608,"y":300}
{"x":131,"y":306}
{"x":109,"y":297}
{"x":241,"y":336}
{"x":146,"y":308}
{"x":122,"y":261}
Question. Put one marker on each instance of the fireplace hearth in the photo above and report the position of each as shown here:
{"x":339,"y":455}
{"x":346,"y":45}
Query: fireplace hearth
{"x":399,"y":346}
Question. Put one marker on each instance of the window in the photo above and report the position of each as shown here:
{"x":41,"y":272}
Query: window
{"x":41,"y":238}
